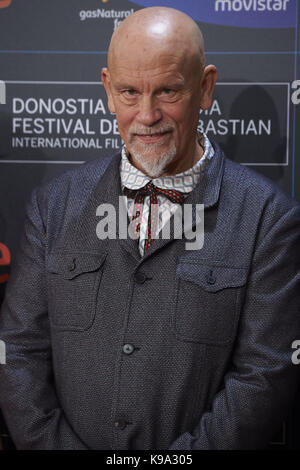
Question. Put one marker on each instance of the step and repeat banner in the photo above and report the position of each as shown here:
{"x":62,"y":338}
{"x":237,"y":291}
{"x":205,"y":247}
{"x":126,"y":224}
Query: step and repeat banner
{"x":53,"y":108}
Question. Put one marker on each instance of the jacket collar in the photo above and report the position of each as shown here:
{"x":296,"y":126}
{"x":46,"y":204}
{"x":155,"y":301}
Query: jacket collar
{"x":108,"y":190}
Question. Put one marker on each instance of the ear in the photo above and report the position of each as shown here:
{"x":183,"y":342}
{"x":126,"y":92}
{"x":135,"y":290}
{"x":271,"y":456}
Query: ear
{"x":105,"y":75}
{"x":208,"y":83}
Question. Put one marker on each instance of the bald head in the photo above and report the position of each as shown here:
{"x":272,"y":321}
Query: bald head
{"x":158,"y":28}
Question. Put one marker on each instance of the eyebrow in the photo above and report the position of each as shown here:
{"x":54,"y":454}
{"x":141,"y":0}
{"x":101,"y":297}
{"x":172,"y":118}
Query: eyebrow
{"x":173,"y":84}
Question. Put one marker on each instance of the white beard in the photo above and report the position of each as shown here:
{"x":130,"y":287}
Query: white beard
{"x":153,"y":167}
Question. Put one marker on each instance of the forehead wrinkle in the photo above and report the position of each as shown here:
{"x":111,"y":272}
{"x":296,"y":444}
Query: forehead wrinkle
{"x":157,"y":65}
{"x":162,"y":64}
{"x":147,"y":56}
{"x":152,"y":78}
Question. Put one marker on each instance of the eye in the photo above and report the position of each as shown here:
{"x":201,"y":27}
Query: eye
{"x":167,"y":93}
{"x":130,"y":93}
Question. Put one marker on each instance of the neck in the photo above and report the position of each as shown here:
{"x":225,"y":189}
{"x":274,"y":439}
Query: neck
{"x":183,"y":164}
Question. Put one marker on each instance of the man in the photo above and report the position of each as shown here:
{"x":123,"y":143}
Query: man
{"x":144,"y":344}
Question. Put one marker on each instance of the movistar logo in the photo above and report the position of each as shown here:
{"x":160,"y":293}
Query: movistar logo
{"x":251,"y":5}
{"x":238,"y":13}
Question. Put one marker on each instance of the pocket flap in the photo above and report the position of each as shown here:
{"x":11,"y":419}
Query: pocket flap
{"x":211,"y":276}
{"x":70,"y":265}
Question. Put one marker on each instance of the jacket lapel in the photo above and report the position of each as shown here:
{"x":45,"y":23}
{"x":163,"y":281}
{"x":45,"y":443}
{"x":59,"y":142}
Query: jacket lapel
{"x":108,"y":191}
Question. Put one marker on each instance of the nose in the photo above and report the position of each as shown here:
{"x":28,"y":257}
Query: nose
{"x":149,"y":112}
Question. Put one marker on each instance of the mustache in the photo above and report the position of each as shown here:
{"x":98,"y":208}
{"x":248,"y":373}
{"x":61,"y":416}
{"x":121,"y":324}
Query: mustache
{"x":142,"y":130}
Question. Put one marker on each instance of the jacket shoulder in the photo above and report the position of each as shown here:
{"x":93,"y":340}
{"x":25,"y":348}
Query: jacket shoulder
{"x":242,"y":182}
{"x":84,"y":174}
{"x":75,"y":183}
{"x":61,"y":199}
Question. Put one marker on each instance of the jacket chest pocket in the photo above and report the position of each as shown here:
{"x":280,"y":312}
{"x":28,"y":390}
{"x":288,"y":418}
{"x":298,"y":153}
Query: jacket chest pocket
{"x":73,"y":284}
{"x":207,"y":302}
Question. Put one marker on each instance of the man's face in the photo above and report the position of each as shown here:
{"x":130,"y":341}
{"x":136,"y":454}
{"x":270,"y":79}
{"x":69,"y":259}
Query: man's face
{"x":156,"y":97}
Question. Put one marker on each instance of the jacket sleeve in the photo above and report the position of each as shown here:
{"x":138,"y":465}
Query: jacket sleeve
{"x":261,"y":380}
{"x":27,"y":390}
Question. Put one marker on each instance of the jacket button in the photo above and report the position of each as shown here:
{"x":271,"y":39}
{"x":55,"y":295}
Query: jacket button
{"x":120,"y":424}
{"x":128,"y":348}
{"x":72,"y":265}
{"x":210,"y":278}
{"x":140,"y":277}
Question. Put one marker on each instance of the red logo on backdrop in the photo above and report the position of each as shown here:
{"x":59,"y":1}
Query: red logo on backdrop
{"x":4,"y":261}
{"x":5,"y":3}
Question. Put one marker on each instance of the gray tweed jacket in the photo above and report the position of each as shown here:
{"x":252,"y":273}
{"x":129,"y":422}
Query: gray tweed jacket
{"x":176,"y":350}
